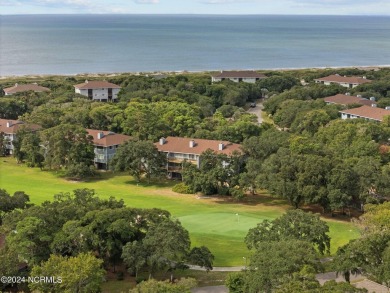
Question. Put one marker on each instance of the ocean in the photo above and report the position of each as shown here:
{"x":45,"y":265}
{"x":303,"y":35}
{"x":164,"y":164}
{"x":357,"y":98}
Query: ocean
{"x":72,"y":44}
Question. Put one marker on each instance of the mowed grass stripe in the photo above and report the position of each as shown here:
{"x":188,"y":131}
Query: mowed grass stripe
{"x":211,"y":221}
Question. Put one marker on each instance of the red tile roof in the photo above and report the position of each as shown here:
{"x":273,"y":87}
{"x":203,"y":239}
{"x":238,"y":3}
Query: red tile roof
{"x":344,"y":79}
{"x":347,"y":100}
{"x":182,"y":145}
{"x":12,"y":126}
{"x":108,"y":138}
{"x":239,"y":74}
{"x":373,"y":113}
{"x":95,"y":84}
{"x":18,"y":88}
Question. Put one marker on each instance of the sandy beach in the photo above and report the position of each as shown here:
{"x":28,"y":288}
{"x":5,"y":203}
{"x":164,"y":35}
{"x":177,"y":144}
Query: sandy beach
{"x":111,"y":74}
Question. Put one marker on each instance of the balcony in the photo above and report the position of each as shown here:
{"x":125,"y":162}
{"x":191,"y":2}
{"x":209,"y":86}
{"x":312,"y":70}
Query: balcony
{"x":176,"y":169}
{"x":100,"y":152}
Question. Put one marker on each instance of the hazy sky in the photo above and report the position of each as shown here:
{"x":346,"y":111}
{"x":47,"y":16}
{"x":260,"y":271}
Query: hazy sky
{"x":343,"y":7}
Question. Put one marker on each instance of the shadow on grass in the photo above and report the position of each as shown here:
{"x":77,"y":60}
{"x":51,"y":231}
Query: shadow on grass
{"x":155,"y":183}
{"x":345,"y":216}
{"x":253,"y":200}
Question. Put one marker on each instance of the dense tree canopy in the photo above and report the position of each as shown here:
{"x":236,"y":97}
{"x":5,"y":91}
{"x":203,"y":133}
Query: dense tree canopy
{"x":295,"y":224}
{"x":82,"y":274}
{"x":274,"y":261}
{"x":138,"y":158}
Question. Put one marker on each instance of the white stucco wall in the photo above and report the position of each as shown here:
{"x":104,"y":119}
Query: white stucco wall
{"x":235,"y":79}
{"x":99,"y":94}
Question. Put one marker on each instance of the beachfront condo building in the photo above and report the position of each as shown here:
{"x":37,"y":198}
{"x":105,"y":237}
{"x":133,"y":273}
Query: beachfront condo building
{"x":238,"y":76}
{"x":345,"y":81}
{"x":97,"y":90}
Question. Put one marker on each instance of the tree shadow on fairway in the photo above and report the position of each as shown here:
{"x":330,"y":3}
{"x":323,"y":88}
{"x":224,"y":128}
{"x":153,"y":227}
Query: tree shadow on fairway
{"x":152,"y":184}
{"x":345,"y":215}
{"x":253,"y":200}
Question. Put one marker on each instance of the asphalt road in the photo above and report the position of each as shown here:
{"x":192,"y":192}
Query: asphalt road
{"x":257,"y":111}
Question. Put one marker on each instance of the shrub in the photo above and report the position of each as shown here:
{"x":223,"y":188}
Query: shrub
{"x":237,"y":193}
{"x":235,"y":282}
{"x":182,"y":188}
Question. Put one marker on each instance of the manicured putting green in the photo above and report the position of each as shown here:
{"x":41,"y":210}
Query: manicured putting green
{"x":224,"y":233}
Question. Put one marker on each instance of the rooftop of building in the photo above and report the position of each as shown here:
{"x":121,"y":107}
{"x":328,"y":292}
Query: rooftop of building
{"x":195,"y":145}
{"x":344,"y":79}
{"x":18,"y":88}
{"x":12,"y":126}
{"x":239,"y":74}
{"x":95,"y":84}
{"x":107,"y":138}
{"x":373,"y":113}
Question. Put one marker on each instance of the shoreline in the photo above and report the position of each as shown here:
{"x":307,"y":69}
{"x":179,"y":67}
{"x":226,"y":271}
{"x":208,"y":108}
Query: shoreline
{"x":113,"y":74}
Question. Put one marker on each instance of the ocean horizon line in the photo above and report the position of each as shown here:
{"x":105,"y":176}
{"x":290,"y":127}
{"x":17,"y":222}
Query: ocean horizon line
{"x":32,"y":75}
{"x":196,"y":14}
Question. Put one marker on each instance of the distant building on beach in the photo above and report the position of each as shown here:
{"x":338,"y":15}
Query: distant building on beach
{"x":345,"y":81}
{"x":20,"y":88}
{"x":105,"y":143}
{"x":180,"y":149}
{"x":365,"y":112}
{"x":238,"y":76}
{"x":346,"y":100}
{"x":9,"y":129}
{"x":97,"y":90}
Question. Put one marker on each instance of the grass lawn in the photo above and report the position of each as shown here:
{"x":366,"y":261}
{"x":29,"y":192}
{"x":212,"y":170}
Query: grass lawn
{"x":218,"y":223}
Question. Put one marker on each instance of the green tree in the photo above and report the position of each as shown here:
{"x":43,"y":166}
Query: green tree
{"x":201,"y":256}
{"x":167,"y":244}
{"x":311,"y":121}
{"x":279,"y":174}
{"x":142,"y":122}
{"x":68,"y":146}
{"x":30,"y":145}
{"x":9,"y":262}
{"x":8,"y":203}
{"x":274,"y":261}
{"x":342,"y":187}
{"x":277,"y":83}
{"x":103,"y":116}
{"x":376,"y":217}
{"x":295,"y":224}
{"x":31,"y":240}
{"x":138,"y":158}
{"x":82,"y":273}
{"x":134,"y":256}
{"x":368,"y":255}
{"x":235,"y":282}
{"x":11,"y":108}
{"x":266,"y":144}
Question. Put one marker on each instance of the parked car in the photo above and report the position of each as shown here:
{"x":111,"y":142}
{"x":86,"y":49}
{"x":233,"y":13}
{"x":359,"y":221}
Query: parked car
{"x":253,"y":105}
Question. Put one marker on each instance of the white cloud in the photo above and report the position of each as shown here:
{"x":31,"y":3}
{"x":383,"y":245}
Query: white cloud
{"x":49,"y":3}
{"x":225,"y":1}
{"x":147,"y":1}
